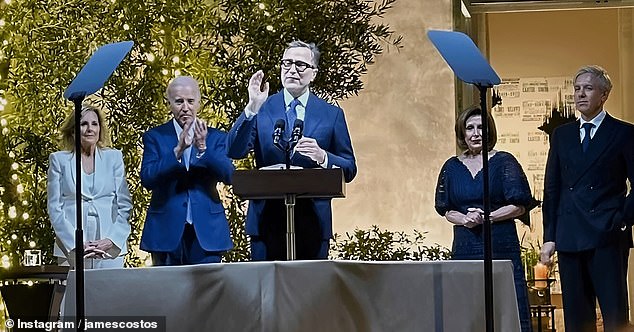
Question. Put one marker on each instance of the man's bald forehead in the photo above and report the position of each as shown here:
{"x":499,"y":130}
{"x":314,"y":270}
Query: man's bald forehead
{"x":183,"y":81}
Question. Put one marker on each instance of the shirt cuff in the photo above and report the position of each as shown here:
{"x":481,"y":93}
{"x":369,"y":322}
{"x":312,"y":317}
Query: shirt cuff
{"x":249,"y":114}
{"x":325,"y":163}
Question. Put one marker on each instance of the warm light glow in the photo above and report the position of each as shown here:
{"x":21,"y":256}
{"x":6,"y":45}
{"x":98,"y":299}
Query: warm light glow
{"x":150,"y":57}
{"x":12,"y":212}
{"x":30,"y":283}
{"x":19,"y":188}
{"x":261,"y":5}
{"x":3,"y":122}
{"x":25,"y":202}
{"x":177,"y":72}
{"x":165,"y":72}
{"x":126,"y":27}
{"x":25,"y":216}
{"x":175,"y":59}
{"x":13,"y":236}
{"x":5,"y":262}
{"x":269,"y":28}
{"x":8,"y":2}
{"x":32,"y":244}
{"x":14,"y":176}
{"x":1,"y":22}
{"x":14,"y":166}
{"x":5,"y":131}
{"x":11,"y":154}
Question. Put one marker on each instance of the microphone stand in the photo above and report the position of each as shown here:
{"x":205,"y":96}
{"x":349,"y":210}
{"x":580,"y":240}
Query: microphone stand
{"x":289,"y":200}
{"x":77,"y":99}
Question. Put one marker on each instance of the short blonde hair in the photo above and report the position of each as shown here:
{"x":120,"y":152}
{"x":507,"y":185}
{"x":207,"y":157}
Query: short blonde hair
{"x":67,"y":131}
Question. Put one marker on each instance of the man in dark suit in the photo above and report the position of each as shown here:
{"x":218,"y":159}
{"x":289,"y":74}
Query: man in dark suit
{"x":587,"y":209}
{"x":183,"y":161}
{"x":326,"y":144}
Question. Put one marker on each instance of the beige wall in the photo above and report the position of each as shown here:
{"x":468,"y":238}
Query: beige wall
{"x":556,"y":43}
{"x":402,"y":129}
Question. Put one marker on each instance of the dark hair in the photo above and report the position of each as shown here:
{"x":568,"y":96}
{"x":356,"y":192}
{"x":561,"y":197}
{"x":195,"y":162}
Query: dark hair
{"x":461,"y":127}
{"x":67,"y":131}
{"x":314,"y":50}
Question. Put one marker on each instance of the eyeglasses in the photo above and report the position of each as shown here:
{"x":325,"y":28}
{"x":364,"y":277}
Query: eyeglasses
{"x":299,"y":65}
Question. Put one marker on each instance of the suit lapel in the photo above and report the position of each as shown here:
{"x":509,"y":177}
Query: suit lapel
{"x":100,"y":171}
{"x":278,"y":110}
{"x":598,"y":145}
{"x":71,"y":166}
{"x":73,"y":173}
{"x":312,"y":116}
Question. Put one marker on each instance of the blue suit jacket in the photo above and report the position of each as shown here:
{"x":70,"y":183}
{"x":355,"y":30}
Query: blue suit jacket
{"x":586,"y":203}
{"x":171,"y":183}
{"x":324,"y":122}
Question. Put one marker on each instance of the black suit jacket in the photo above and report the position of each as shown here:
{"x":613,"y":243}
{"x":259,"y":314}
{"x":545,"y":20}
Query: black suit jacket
{"x":586,"y":200}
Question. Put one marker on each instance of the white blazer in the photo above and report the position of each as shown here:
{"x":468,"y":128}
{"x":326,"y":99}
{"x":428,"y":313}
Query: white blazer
{"x":111,"y":200}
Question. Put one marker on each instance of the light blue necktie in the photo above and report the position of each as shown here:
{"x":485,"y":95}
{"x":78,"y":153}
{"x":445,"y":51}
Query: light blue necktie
{"x":186,"y":158}
{"x":586,"y":138}
{"x":291,"y":116}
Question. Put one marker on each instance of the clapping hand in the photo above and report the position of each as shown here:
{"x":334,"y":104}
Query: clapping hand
{"x":185,"y":139}
{"x":200,"y":135}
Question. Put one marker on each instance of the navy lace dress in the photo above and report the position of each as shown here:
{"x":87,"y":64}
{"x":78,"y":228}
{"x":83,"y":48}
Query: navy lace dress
{"x":458,"y":190}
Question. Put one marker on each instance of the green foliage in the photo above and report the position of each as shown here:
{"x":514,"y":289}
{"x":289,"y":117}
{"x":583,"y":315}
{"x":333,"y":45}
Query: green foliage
{"x":43,"y":43}
{"x":384,"y":245}
{"x":530,"y":254}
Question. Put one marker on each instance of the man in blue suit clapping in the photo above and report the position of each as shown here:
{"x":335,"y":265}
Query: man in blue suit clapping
{"x":325,"y":144}
{"x":183,"y":161}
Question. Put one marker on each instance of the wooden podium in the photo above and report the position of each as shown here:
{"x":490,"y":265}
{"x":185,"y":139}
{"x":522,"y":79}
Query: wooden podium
{"x":289,"y":184}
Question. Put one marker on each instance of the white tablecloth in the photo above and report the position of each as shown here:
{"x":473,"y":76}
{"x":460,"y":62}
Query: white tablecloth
{"x":305,"y":296}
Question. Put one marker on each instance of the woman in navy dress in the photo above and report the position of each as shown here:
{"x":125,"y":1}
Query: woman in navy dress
{"x":459,"y":199}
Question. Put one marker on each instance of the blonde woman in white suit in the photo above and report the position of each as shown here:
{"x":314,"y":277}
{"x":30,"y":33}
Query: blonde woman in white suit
{"x":106,"y":199}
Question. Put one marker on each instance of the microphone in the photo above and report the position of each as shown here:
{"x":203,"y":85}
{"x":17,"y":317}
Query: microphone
{"x":298,"y":130}
{"x":278,"y":131}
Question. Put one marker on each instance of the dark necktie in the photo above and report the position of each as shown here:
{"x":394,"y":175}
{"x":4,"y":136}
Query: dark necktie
{"x":291,"y":116}
{"x":586,"y":138}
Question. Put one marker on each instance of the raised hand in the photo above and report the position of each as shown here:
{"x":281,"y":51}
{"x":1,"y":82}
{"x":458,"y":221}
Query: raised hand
{"x":258,"y":92}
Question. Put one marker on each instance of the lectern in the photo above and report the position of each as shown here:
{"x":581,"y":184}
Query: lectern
{"x":289,"y":184}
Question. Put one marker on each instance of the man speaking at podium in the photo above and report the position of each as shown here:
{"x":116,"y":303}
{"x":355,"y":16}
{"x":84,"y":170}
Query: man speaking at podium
{"x":325,"y":144}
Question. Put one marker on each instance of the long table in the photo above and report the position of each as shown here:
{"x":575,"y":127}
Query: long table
{"x":305,"y":296}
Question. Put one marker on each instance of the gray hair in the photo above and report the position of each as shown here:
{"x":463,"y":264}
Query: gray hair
{"x":596,"y":71}
{"x":182,"y":81}
{"x":314,"y":50}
